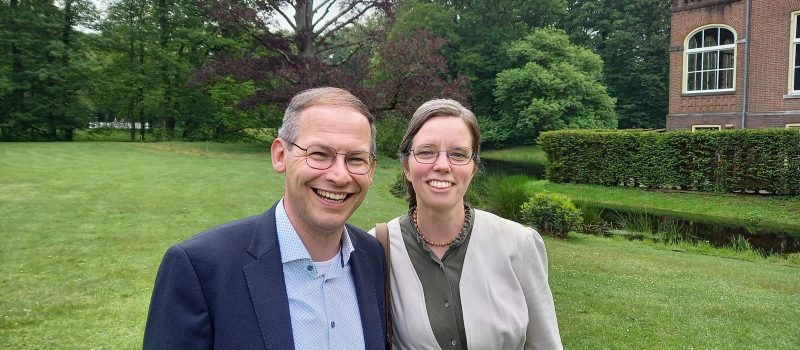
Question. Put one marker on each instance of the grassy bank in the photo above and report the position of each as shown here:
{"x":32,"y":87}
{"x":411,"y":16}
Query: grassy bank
{"x":84,"y":227}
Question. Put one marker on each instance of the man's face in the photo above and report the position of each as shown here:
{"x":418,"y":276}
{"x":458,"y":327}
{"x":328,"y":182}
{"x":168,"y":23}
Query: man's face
{"x":319,"y":202}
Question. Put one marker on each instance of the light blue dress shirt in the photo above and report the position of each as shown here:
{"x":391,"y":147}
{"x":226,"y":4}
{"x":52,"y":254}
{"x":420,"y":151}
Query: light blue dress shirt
{"x":323,"y":306}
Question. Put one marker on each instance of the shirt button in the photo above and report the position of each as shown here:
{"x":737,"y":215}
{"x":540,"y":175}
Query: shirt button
{"x":453,"y":342}
{"x":446,"y":304}
{"x":333,"y":324}
{"x":309,"y":267}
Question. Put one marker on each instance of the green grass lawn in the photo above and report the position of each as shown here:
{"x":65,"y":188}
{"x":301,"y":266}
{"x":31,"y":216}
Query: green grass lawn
{"x":84,"y":226}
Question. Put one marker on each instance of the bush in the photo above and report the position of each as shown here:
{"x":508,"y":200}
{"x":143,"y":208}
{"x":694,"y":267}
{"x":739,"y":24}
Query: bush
{"x":391,"y":129}
{"x":503,"y":195}
{"x":551,"y":214}
{"x":399,"y":189}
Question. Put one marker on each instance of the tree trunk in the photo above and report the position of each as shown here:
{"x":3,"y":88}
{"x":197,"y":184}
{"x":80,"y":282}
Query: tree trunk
{"x":304,"y":20}
{"x":166,"y":107}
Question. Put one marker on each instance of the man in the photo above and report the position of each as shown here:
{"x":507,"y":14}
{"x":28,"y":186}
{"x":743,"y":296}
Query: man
{"x":296,"y":276}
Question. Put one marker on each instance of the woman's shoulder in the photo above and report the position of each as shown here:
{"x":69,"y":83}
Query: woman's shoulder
{"x":496,"y":225}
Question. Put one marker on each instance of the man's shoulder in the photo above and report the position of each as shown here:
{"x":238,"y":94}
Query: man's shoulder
{"x":225,"y":238}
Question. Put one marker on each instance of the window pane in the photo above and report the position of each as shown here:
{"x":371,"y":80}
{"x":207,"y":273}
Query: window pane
{"x":797,"y":26}
{"x":726,"y":59}
{"x":710,"y":37}
{"x":691,"y":81}
{"x":725,"y":36}
{"x":693,"y":43}
{"x":797,"y":79}
{"x":692,"y":62}
{"x":698,"y":40}
{"x":710,"y":60}
{"x":703,"y":81}
{"x":698,"y":80}
{"x":726,"y":79}
{"x":711,"y":78}
{"x":796,"y":55}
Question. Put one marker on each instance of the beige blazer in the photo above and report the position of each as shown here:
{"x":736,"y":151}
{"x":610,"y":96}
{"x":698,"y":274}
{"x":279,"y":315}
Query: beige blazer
{"x":505,"y":297}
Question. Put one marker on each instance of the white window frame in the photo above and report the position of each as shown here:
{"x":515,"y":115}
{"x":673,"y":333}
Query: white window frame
{"x":794,"y":42}
{"x":718,"y":48}
{"x":706,"y":127}
{"x":793,"y":126}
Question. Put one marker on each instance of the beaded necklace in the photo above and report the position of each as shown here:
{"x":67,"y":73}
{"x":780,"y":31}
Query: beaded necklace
{"x":460,"y":235}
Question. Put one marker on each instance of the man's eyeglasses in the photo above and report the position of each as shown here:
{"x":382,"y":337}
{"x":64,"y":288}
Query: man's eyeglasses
{"x":322,"y":157}
{"x":428,"y":154}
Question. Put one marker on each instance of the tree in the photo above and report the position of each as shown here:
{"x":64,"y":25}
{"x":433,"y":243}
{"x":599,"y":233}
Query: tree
{"x":313,"y":25}
{"x":632,"y":36}
{"x":408,"y":70}
{"x":43,"y":75}
{"x":553,"y":85}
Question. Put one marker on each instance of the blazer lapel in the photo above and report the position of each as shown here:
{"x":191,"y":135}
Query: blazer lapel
{"x":371,"y":319}
{"x":267,"y":287}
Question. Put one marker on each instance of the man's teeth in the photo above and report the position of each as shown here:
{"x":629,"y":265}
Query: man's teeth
{"x":331,"y":195}
{"x":440,"y":184}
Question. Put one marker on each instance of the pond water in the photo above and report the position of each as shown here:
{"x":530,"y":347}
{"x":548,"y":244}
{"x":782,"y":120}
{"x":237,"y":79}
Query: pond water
{"x":671,"y":227}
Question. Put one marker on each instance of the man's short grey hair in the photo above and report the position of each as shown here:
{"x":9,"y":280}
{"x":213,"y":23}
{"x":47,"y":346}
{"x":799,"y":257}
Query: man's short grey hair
{"x":324,"y":96}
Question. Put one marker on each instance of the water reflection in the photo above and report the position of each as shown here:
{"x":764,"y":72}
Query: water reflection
{"x":672,"y":228}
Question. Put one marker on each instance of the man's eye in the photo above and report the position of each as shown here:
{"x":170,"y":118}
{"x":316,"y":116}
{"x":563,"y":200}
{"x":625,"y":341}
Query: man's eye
{"x":319,"y":155}
{"x":357,"y":160}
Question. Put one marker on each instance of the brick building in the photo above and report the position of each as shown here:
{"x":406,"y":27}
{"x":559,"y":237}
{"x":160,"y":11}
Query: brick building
{"x":734,"y":64}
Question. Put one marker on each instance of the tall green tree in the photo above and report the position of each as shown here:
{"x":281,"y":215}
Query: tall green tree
{"x":43,"y":69}
{"x":632,"y":36}
{"x":554,"y":85}
{"x":478,"y":33}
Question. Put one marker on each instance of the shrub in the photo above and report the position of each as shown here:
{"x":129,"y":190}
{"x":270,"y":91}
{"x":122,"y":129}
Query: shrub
{"x":551,"y":214}
{"x":503,"y":195}
{"x":391,"y":129}
{"x":399,"y":189}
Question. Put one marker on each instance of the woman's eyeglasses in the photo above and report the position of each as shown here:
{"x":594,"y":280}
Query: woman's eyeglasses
{"x":428,"y":154}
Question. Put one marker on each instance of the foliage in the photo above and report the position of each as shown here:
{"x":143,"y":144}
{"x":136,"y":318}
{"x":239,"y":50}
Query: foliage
{"x":551,"y":214}
{"x":477,"y":34}
{"x":632,"y":36}
{"x":553,"y":85}
{"x":407,"y":70}
{"x":398,"y":188}
{"x":726,"y":161}
{"x":44,"y":69}
{"x":391,"y":129}
{"x":502,"y":195}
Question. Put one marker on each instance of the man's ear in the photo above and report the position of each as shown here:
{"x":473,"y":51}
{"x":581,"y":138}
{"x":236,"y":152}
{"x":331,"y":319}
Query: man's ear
{"x":372,"y":171}
{"x":279,"y":151}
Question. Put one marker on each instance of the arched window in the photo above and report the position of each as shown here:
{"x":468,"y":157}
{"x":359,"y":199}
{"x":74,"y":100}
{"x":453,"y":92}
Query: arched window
{"x":710,"y":60}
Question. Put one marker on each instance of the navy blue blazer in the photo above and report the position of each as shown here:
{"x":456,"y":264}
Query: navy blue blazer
{"x":224,"y":289}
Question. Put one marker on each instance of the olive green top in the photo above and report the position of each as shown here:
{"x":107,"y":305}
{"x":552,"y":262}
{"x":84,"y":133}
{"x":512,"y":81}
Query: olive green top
{"x":440,"y":282}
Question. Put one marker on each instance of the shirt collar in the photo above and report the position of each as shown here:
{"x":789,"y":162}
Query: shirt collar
{"x":292,"y":248}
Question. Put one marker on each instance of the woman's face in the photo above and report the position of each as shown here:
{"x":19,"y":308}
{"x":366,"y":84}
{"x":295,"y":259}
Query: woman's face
{"x":440,"y":185}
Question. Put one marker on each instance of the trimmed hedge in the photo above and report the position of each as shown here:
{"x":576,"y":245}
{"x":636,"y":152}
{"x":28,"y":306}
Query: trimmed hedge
{"x":723,"y":161}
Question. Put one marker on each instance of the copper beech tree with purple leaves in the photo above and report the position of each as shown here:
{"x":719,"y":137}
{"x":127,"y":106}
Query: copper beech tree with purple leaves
{"x":330,"y":43}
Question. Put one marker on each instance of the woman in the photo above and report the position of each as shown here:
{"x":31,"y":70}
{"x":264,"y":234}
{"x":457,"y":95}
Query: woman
{"x":460,"y":277}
